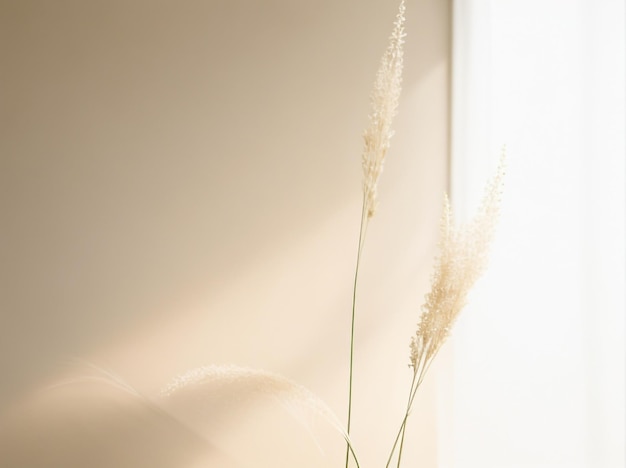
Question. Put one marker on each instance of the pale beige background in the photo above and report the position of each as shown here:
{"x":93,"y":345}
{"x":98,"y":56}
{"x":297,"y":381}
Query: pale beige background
{"x":180,"y":186}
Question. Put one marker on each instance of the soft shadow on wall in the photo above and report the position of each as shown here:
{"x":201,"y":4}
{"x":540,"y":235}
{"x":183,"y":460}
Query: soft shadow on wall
{"x":181,"y":186}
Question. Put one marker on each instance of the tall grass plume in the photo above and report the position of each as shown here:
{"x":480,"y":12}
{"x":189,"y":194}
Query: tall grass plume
{"x":384,"y":101}
{"x":463,"y":252}
{"x":462,"y":259}
{"x":377,"y":137}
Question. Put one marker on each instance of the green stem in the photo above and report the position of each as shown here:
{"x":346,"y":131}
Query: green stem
{"x":418,"y":378}
{"x":351,"y":450}
{"x":362,"y":230}
{"x":403,"y":429}
{"x":404,"y":420}
{"x":401,"y":443}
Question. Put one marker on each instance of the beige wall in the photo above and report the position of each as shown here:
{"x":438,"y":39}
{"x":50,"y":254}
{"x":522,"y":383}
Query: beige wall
{"x":180,"y":186}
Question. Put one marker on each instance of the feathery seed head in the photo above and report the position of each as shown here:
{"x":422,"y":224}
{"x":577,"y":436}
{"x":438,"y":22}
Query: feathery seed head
{"x":462,"y":259}
{"x":384,"y":101}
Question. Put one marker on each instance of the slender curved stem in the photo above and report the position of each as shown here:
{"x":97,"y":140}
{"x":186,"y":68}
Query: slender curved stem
{"x":418,"y":377}
{"x":404,"y":420}
{"x":403,"y":428}
{"x":351,"y":450}
{"x":362,"y":230}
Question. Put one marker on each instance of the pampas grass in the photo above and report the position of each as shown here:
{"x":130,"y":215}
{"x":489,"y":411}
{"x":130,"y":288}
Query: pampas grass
{"x":384,"y":101}
{"x":204,"y":386}
{"x":462,"y":259}
{"x":463,"y":250}
{"x":377,"y":137}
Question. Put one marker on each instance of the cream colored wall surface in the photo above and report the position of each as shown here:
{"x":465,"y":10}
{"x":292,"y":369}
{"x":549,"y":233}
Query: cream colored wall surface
{"x":180,"y":186}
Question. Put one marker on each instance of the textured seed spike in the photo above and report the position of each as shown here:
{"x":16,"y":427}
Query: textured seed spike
{"x":384,"y":102}
{"x":461,"y":261}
